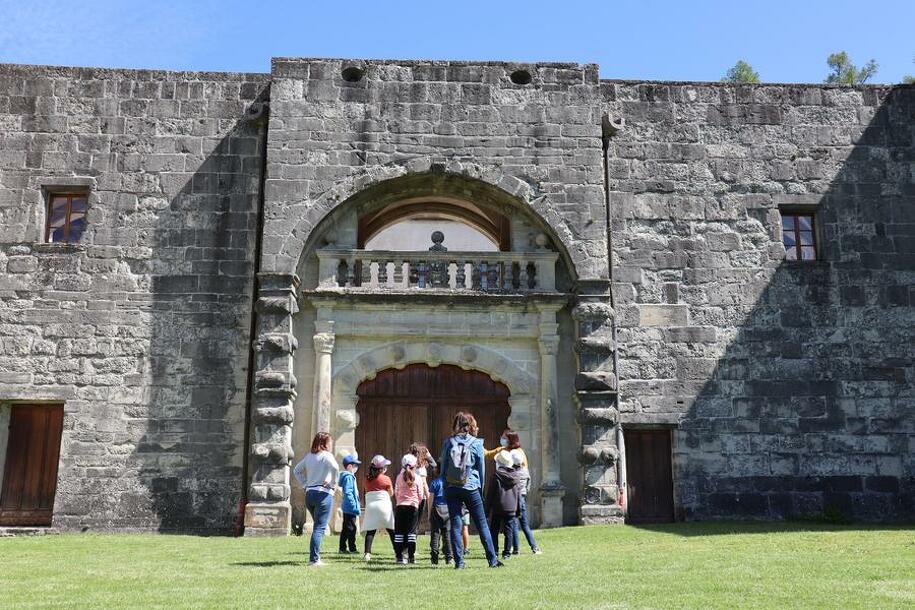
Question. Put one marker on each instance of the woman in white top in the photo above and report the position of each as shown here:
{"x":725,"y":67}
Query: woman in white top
{"x":317,"y":473}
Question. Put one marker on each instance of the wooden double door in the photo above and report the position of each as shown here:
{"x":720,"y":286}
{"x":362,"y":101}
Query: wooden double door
{"x":649,"y":476}
{"x":417,"y":404}
{"x":30,"y":469}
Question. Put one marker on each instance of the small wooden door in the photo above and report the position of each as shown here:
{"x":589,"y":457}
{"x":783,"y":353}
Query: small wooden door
{"x":30,"y":474}
{"x":649,"y":476}
{"x":418,"y":403}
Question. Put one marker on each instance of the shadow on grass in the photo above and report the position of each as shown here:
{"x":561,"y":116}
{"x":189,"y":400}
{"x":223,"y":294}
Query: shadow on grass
{"x":393,"y":567}
{"x":267,"y":564}
{"x":727,"y":528}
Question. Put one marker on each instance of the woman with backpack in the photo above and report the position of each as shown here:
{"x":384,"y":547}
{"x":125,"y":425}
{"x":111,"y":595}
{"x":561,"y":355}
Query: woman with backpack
{"x":464,"y":471}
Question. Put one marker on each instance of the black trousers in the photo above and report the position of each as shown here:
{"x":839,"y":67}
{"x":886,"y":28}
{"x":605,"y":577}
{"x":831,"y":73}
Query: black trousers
{"x":370,"y":538}
{"x":348,"y":534}
{"x":439,"y":530}
{"x":404,"y":537}
{"x":502,"y":524}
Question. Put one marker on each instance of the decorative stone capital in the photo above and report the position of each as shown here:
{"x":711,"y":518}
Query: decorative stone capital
{"x":324,"y":343}
{"x":549,"y":345}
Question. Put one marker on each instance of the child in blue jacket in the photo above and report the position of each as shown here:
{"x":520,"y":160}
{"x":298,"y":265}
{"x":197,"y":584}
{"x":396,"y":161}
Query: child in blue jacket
{"x":350,"y":505}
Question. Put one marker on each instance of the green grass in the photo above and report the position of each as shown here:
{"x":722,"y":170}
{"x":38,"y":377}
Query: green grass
{"x":723,"y":565}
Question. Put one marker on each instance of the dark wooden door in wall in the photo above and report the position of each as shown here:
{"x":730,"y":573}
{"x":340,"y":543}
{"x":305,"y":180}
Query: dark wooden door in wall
{"x":418,"y":403}
{"x":30,"y":473}
{"x":648,"y":476}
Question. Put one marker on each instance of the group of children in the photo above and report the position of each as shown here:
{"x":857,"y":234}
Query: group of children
{"x":418,"y":489}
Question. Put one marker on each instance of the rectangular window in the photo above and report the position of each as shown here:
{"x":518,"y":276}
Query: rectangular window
{"x":66,"y":217}
{"x":799,"y":236}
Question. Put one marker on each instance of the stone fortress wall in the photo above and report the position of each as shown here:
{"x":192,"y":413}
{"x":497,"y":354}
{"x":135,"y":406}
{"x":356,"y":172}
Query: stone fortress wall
{"x":141,"y":329}
{"x":789,"y":385}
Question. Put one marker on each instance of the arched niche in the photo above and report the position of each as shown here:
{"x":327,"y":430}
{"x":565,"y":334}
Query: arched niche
{"x":523,"y":387}
{"x":333,"y":218}
{"x":493,"y":225}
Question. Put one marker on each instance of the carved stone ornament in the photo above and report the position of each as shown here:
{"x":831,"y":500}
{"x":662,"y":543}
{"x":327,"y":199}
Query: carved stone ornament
{"x":347,"y":418}
{"x":604,"y":417}
{"x":275,"y":415}
{"x":276,"y":342}
{"x":589,"y":455}
{"x":435,"y":354}
{"x":592,"y":310}
{"x":324,"y":343}
{"x":272,"y":453}
{"x":274,"y":379}
{"x":468,"y":353}
{"x":285,"y":304}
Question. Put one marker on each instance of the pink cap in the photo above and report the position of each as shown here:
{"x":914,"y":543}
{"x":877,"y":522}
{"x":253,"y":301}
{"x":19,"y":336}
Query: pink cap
{"x":379,"y":461}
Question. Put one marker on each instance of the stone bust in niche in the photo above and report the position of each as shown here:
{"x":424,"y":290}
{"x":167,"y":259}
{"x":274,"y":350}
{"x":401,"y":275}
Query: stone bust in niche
{"x":437,"y":238}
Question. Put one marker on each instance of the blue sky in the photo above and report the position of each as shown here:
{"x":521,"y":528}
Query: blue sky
{"x":786,"y":41}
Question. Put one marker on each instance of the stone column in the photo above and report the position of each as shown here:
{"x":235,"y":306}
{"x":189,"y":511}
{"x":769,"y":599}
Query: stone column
{"x":596,"y":396}
{"x":324,"y":349}
{"x":268,"y":512}
{"x":551,"y":488}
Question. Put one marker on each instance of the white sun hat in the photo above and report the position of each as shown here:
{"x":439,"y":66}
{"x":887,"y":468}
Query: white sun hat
{"x":504,"y":459}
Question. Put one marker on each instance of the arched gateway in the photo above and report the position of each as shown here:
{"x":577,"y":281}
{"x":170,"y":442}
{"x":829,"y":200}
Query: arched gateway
{"x":393,"y":331}
{"x":418,"y":403}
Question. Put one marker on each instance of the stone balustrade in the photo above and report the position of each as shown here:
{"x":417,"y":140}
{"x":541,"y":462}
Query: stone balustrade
{"x":500,"y":272}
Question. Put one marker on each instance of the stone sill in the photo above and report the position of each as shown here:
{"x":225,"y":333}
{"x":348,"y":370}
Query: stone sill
{"x":57,"y":248}
{"x":815,"y":264}
{"x":7,"y":532}
{"x":436,"y":296}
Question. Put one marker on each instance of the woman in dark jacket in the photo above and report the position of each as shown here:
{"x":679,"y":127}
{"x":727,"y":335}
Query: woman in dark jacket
{"x":503,"y":501}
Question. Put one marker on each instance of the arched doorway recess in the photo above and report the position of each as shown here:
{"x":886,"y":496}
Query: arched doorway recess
{"x":418,"y":403}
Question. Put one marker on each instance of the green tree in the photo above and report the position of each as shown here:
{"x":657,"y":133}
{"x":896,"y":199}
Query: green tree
{"x":742,"y":72}
{"x":908,"y":78}
{"x":846,"y":73}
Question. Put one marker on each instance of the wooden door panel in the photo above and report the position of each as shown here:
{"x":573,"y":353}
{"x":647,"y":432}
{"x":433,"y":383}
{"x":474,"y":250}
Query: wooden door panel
{"x":418,"y":403}
{"x":649,"y":476}
{"x":30,"y":474}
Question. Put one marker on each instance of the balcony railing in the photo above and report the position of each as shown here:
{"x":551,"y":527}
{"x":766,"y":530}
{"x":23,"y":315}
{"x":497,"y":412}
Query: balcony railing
{"x":378,"y":270}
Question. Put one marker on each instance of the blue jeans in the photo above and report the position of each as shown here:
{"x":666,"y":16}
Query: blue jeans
{"x":525,"y":527}
{"x":319,"y":504}
{"x":473,"y":500}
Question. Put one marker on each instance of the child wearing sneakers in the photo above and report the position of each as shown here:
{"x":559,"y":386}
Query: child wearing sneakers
{"x":379,"y":512}
{"x":409,"y":490}
{"x":350,"y":504}
{"x":438,"y":517}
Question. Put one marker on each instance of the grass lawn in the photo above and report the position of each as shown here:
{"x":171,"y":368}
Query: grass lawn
{"x":724,"y":565}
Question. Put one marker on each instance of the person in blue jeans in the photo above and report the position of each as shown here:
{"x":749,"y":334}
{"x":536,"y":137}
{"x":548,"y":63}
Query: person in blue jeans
{"x":317,"y":473}
{"x":463,"y":473}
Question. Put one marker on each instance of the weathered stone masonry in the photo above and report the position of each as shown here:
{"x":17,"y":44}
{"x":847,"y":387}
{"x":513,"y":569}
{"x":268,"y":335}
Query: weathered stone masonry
{"x":789,"y":385}
{"x":140,"y":329}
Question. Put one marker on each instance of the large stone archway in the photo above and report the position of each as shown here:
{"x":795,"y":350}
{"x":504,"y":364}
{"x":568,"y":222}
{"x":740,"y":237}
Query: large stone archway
{"x":291,"y":233}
